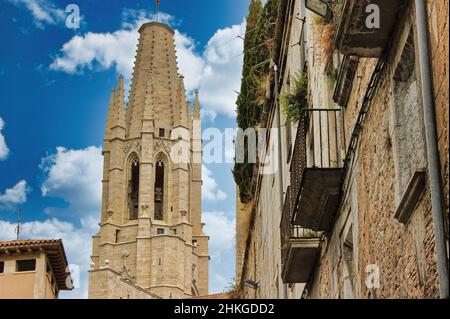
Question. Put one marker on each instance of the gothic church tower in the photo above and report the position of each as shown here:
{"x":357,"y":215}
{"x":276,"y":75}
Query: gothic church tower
{"x":151,"y":242}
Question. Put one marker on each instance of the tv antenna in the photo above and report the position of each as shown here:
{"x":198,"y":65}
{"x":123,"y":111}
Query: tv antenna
{"x":19,"y":223}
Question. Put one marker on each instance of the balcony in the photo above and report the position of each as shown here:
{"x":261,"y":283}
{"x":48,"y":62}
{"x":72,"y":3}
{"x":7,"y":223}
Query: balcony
{"x":356,"y":37}
{"x":316,"y":170}
{"x":300,"y":249}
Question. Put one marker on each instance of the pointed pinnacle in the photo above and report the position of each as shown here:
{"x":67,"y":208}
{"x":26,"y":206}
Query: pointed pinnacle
{"x":197,"y":106}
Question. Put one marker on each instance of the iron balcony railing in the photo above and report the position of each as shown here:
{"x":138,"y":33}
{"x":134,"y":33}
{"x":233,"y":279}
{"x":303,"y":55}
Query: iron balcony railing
{"x":316,"y":146}
{"x":290,"y":231}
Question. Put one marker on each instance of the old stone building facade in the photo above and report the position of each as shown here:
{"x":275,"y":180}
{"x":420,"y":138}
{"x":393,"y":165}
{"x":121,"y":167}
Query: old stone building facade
{"x":361,"y":215}
{"x":151,"y":242}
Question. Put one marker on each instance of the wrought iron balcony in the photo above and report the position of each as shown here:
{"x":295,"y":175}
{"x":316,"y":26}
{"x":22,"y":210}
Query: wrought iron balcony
{"x":316,"y":170}
{"x":300,"y":248}
{"x":361,"y":36}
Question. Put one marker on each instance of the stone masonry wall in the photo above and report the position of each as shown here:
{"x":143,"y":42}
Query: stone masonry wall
{"x":404,"y":254}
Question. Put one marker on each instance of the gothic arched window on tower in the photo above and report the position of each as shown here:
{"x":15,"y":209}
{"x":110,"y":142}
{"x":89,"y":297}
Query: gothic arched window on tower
{"x":133,"y":189}
{"x":159,"y":190}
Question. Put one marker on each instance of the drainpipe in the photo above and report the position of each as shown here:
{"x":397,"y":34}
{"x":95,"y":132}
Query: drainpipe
{"x":432,"y":146}
{"x":280,"y":154}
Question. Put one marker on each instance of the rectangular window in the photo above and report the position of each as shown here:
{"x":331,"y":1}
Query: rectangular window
{"x":117,"y":236}
{"x":348,"y":265}
{"x":2,"y":267}
{"x":160,"y":231}
{"x":162,"y":132}
{"x":26,"y":265}
{"x":409,"y":141}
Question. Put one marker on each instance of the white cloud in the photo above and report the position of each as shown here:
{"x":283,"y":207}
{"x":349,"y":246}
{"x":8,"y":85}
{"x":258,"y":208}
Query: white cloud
{"x":223,"y":71}
{"x":221,"y":228}
{"x":190,"y":63}
{"x":15,"y":195}
{"x":76,"y":242}
{"x":4,"y":151}
{"x":43,"y":11}
{"x":75,"y":176}
{"x":216,"y":71}
{"x":100,"y":49}
{"x":105,"y":50}
{"x":222,"y":231}
{"x":210,"y":189}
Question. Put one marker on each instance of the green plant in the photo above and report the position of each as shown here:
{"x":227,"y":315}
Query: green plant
{"x":308,"y":233}
{"x":295,"y":100}
{"x":332,"y":72}
{"x":260,"y":29}
{"x":243,"y":173}
{"x":338,"y":8}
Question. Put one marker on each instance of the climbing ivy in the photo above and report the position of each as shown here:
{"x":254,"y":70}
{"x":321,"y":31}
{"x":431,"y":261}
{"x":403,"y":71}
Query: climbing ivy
{"x":258,"y":48}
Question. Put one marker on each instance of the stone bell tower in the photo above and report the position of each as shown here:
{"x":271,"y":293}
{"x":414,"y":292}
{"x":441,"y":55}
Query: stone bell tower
{"x":151,"y":242}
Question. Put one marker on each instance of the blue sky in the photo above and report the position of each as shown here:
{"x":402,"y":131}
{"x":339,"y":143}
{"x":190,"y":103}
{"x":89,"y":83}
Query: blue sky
{"x":55,"y":85}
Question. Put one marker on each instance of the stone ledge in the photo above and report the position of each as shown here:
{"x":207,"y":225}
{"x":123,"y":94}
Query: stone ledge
{"x":411,"y":196}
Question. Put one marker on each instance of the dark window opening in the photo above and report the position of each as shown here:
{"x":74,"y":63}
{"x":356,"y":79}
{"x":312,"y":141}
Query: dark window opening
{"x":133,"y":191}
{"x":159,"y":191}
{"x":26,"y":265}
{"x":162,"y":132}
{"x":117,"y":236}
{"x":349,"y":274}
{"x":2,"y":267}
{"x":160,"y":231}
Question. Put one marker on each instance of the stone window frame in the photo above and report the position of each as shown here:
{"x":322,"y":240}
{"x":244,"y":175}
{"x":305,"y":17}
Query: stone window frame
{"x":132,"y":159}
{"x":167,"y":207}
{"x":408,"y":39}
{"x":29,"y":264}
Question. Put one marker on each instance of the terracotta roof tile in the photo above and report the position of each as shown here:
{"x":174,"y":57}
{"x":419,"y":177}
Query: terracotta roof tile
{"x":28,"y":242}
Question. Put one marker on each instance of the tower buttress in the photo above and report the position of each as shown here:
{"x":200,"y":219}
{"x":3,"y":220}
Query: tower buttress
{"x":106,"y":157}
{"x":115,"y":210}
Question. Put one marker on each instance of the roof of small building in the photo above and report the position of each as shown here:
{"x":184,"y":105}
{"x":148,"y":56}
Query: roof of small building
{"x":53,"y":248}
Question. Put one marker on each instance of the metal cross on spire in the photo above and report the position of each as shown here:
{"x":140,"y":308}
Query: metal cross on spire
{"x":158,"y":2}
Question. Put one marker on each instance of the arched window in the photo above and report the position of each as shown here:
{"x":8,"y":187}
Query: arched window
{"x":159,"y":190}
{"x":133,"y":188}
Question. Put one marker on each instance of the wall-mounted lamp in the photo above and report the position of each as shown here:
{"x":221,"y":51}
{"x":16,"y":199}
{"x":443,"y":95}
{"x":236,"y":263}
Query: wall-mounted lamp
{"x":320,"y":7}
{"x":252,"y":284}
